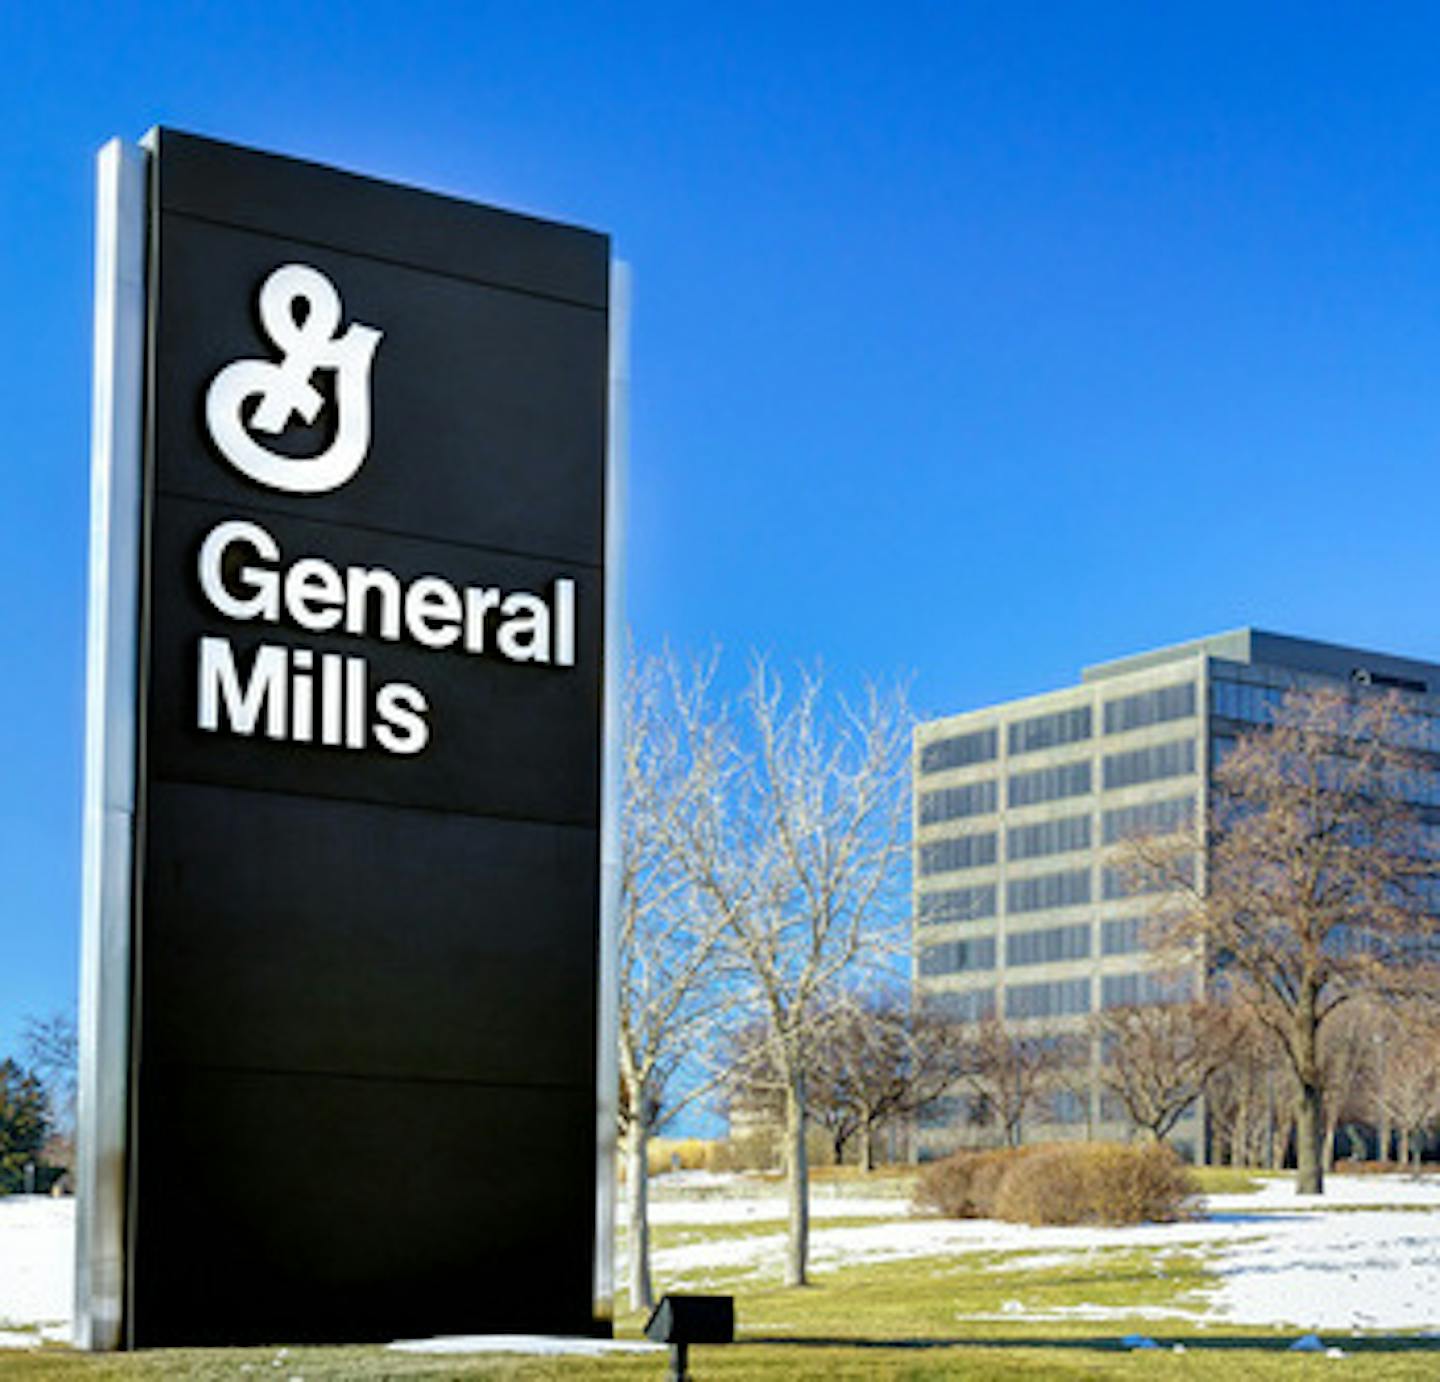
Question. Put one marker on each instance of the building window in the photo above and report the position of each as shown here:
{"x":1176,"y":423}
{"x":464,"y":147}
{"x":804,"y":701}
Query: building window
{"x":1122,"y":937}
{"x":1046,"y":890}
{"x":1048,"y":837}
{"x":1149,"y":818}
{"x":1116,"y":884}
{"x":1069,"y":1106}
{"x":1112,"y":1109}
{"x":1062,"y":998}
{"x":1049,"y":731}
{"x":1171,"y":759}
{"x":958,"y":852}
{"x":968,"y":1005}
{"x":1048,"y":946}
{"x":952,"y":803}
{"x":1242,"y":700}
{"x":957,"y":904}
{"x":959,"y":751}
{"x":1150,"y":707}
{"x":958,"y":957}
{"x":1048,"y":784}
{"x":1141,"y":989}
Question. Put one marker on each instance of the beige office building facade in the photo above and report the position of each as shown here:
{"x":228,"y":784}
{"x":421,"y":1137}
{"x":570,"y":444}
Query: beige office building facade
{"x":1020,"y":910}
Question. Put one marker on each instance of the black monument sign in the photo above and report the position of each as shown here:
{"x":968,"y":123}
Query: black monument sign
{"x":364,"y":942}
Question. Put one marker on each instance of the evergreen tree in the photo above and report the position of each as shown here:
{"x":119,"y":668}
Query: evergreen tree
{"x":24,"y":1123}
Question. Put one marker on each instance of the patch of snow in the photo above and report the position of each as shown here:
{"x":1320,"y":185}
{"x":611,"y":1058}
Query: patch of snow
{"x":1379,"y":1191}
{"x":768,"y":1208}
{"x":538,"y":1344}
{"x":37,"y":1260}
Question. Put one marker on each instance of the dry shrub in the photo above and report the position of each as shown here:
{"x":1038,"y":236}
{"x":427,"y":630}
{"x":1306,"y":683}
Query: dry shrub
{"x":679,"y":1154}
{"x":1066,"y":1183}
{"x":964,"y":1184}
{"x":1096,"y":1183}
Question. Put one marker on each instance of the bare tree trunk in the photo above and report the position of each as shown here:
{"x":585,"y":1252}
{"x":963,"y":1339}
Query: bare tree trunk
{"x":1309,"y":1117}
{"x":1382,"y":1143}
{"x":867,"y":1147}
{"x":797,"y":1249}
{"x":637,"y":1176}
{"x":1404,"y":1146}
{"x":1328,"y":1160}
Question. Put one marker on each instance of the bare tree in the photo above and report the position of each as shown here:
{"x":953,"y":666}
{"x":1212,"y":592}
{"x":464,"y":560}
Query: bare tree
{"x":1242,"y":1096}
{"x":1410,"y":1095}
{"x":1346,"y":1060}
{"x":879,"y":1061}
{"x":1158,"y":1058}
{"x":801,"y":866}
{"x":52,"y":1049}
{"x":1010,"y":1071}
{"x":1306,"y":899}
{"x":677,"y":755}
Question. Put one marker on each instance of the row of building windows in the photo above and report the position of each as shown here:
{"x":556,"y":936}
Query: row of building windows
{"x":1048,"y":837}
{"x":958,"y":957}
{"x":957,"y":904}
{"x":1049,"y":946}
{"x":1171,"y":759}
{"x":1122,"y":937}
{"x":968,"y":1005}
{"x":1150,"y":707}
{"x":1049,"y":731}
{"x":1241,"y":700}
{"x":953,"y":803}
{"x":1116,"y":884}
{"x":1069,"y":888}
{"x":1066,"y":833}
{"x":1118,"y":936}
{"x":1144,"y":988}
{"x":1259,"y":705}
{"x":959,"y":751}
{"x":1048,"y":784}
{"x":1058,"y":998}
{"x":958,"y":852}
{"x":1058,"y":727}
{"x":1148,"y":818}
{"x":1061,"y":997}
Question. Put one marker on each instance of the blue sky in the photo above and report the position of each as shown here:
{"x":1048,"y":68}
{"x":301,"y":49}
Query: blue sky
{"x":973,"y":342}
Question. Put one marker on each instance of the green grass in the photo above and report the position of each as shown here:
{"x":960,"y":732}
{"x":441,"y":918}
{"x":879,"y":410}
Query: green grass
{"x":982,"y":1316}
{"x":1229,"y":1180}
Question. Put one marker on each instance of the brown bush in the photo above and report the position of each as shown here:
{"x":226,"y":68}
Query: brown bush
{"x":963,"y":1185}
{"x":1096,"y":1183}
{"x":1066,"y":1183}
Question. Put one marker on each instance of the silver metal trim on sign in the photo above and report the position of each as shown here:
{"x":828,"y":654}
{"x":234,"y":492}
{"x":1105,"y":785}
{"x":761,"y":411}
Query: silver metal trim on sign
{"x":607,"y":1037}
{"x":112,"y":669}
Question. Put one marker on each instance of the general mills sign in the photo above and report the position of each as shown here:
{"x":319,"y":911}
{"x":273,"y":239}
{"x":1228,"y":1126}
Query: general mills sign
{"x":346,"y":817}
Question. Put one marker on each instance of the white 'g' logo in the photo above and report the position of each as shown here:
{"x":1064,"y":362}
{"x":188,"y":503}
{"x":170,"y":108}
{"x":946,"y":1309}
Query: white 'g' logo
{"x":306,"y":344}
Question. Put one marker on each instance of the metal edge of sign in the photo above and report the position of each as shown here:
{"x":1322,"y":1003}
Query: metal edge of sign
{"x":607,"y":1037}
{"x":111,"y":726}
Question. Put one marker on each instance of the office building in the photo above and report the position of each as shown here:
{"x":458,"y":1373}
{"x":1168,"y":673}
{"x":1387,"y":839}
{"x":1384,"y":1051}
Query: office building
{"x":1020,"y":911}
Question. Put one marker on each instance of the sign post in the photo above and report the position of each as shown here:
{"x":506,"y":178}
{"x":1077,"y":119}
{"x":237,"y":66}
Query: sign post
{"x":346,"y":1000}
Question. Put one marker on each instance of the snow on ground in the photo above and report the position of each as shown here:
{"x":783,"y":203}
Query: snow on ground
{"x":37,"y":1262}
{"x":1339,"y":1261}
{"x":1365,"y":1256}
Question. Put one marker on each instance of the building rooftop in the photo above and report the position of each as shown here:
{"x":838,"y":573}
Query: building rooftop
{"x":1248,"y":645}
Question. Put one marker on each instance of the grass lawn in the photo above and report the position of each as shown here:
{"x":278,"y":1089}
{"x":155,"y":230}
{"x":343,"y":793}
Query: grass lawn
{"x":911,"y":1319}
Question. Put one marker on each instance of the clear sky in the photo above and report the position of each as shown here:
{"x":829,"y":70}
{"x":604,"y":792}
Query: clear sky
{"x":973,"y":342}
